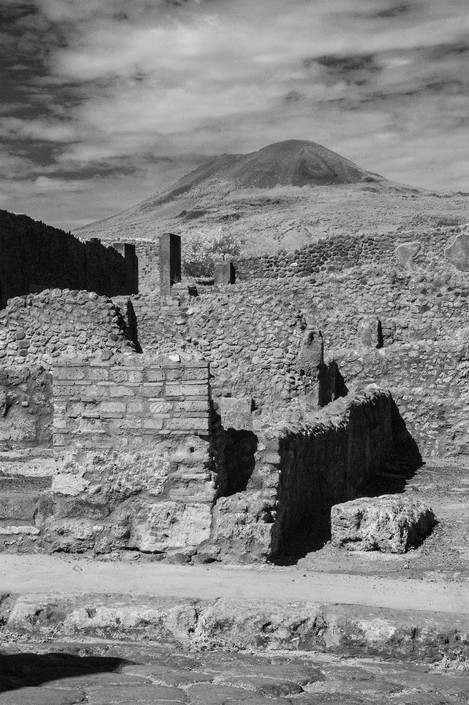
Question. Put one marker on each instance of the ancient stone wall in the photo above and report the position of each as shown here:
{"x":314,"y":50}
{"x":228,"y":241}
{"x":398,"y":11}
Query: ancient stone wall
{"x":38,"y":328}
{"x":100,"y":405}
{"x":344,"y":251}
{"x":250,"y":337}
{"x":430,"y":383}
{"x":148,"y":256}
{"x":36,"y":257}
{"x":25,"y":408}
{"x":300,"y":468}
{"x":133,"y":451}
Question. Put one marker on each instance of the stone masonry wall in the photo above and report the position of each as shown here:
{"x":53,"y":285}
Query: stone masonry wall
{"x":301,"y":468}
{"x":430,"y":383}
{"x":25,"y":408}
{"x":135,"y":402}
{"x":134,"y":457}
{"x":148,"y":256}
{"x":251,"y":334}
{"x":343,"y":251}
{"x":250,"y":337}
{"x":36,"y":257}
{"x":38,"y":328}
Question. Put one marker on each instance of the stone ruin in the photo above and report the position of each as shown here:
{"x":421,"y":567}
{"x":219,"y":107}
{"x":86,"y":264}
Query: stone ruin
{"x":212,"y":421}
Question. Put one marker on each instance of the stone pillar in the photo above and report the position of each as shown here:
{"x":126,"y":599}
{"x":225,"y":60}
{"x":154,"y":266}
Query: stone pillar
{"x":170,"y":262}
{"x":224,"y":273}
{"x":127,"y":251}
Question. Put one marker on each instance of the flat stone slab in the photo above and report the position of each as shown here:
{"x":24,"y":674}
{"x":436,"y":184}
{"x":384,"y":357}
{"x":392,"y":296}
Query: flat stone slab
{"x":390,"y":523}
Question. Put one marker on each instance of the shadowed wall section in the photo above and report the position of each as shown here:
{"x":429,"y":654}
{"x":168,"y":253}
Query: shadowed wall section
{"x":35,"y":257}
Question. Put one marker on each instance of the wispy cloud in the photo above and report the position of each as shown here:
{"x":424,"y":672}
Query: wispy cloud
{"x":104,"y":89}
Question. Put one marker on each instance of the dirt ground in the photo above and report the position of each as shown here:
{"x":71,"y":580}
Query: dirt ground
{"x":444,"y":486}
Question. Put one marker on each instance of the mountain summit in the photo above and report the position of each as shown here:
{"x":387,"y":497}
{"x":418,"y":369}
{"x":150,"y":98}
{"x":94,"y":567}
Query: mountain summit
{"x":289,"y":163}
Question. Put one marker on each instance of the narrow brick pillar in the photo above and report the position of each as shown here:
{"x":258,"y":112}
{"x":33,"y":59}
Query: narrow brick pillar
{"x":170,"y":262}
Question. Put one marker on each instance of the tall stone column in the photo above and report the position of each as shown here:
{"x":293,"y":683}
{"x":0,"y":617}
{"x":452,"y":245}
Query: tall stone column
{"x":170,"y":262}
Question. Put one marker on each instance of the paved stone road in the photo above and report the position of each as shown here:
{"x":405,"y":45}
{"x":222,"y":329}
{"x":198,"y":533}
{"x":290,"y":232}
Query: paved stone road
{"x":110,"y":673}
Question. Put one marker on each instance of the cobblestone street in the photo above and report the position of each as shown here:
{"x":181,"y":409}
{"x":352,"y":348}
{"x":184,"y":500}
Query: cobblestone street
{"x":108,"y":673}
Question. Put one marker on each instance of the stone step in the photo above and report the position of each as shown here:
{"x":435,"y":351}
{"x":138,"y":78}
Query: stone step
{"x":29,"y":462}
{"x":17,"y":528}
{"x":23,"y":506}
{"x":24,"y":484}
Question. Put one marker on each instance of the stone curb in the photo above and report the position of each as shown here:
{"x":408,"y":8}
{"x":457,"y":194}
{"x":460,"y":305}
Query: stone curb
{"x":234,"y":624}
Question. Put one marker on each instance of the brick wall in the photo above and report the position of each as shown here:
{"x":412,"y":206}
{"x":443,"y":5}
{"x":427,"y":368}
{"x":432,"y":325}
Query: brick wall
{"x":96,"y":404}
{"x":133,"y":453}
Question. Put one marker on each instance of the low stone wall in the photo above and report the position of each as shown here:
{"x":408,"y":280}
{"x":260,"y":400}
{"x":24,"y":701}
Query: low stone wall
{"x":300,"y":471}
{"x":340,"y":252}
{"x":133,"y":455}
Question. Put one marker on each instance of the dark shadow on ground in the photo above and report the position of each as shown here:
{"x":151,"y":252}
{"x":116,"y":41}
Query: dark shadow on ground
{"x":28,"y":670}
{"x":313,"y":531}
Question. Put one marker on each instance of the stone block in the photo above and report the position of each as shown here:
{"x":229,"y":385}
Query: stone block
{"x":17,"y":427}
{"x":151,"y":390}
{"x":136,"y":407}
{"x":165,"y":525}
{"x":196,"y":389}
{"x":235,"y":412}
{"x":118,"y":375}
{"x":170,"y":262}
{"x":224,"y":273}
{"x":153,"y":424}
{"x":153,"y":374}
{"x":19,"y":506}
{"x":370,"y":333}
{"x":98,"y":374}
{"x":65,"y":390}
{"x":121,"y":391}
{"x":135,"y":376}
{"x":390,"y":523}
{"x":196,"y":425}
{"x":186,"y":374}
{"x":92,"y":425}
{"x":70,"y":373}
{"x":189,"y":405}
{"x":458,"y":252}
{"x":406,"y":253}
{"x":113,"y":407}
{"x":185,"y":489}
{"x":160,"y":407}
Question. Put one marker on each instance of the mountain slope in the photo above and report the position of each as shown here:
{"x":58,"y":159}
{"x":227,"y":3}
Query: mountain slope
{"x":282,"y":196}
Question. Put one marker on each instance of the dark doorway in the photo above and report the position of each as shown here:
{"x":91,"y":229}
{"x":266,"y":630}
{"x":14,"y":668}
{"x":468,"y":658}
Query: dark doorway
{"x":240,"y":447}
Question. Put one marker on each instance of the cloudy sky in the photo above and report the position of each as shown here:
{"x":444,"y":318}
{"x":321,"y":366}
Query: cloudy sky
{"x":105,"y":102}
